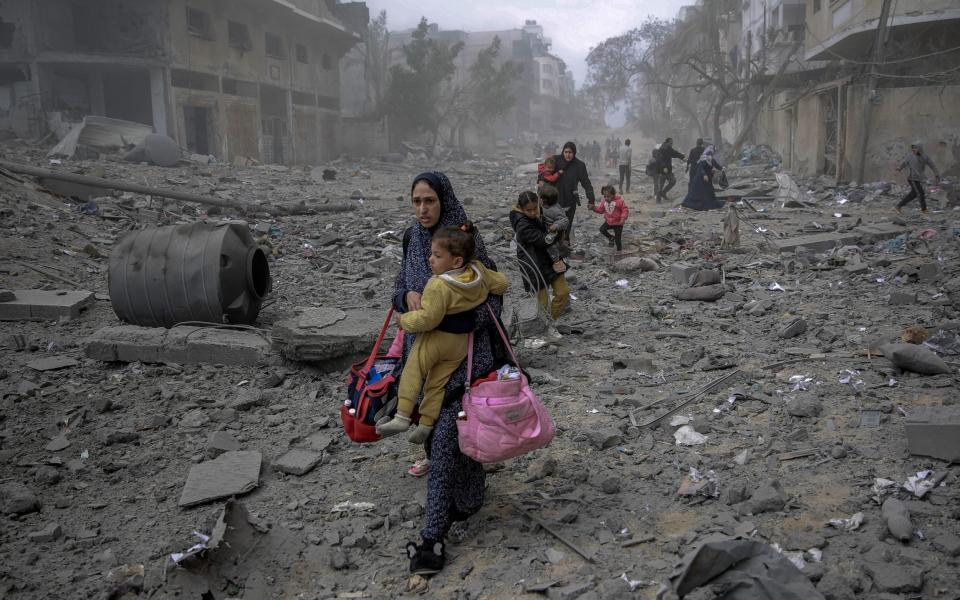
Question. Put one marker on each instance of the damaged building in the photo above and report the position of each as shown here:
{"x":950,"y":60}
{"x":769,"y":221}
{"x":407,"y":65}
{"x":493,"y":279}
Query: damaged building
{"x":246,"y":79}
{"x":870,"y":77}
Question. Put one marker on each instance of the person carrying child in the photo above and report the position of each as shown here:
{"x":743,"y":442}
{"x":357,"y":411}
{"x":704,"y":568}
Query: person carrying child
{"x":530,"y":235}
{"x":459,"y":284}
{"x":556,"y":221}
{"x":615,"y":213}
{"x":549,"y":174}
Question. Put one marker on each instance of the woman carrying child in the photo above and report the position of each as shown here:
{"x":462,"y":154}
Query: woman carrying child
{"x":455,"y":483}
{"x":530,"y":235}
{"x":615,"y":213}
{"x":459,"y":284}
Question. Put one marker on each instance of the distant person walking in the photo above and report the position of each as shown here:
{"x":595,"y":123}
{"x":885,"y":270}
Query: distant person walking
{"x":596,"y":153}
{"x":692,"y":158}
{"x":916,"y":162}
{"x":574,"y":173}
{"x":666,"y":179}
{"x":624,"y":159}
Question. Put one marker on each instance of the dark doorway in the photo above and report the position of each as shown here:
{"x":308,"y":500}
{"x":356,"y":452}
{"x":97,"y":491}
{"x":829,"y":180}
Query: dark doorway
{"x":126,"y":95}
{"x":198,"y":124}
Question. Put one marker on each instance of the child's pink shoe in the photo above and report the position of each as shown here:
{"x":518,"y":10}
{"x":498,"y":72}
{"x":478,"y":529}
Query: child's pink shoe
{"x":420,"y":468}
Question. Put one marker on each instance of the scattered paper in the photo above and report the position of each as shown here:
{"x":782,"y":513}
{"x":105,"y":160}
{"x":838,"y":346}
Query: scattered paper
{"x":851,"y":524}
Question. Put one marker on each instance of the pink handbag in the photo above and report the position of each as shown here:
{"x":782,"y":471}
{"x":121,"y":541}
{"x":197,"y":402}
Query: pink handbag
{"x":503,"y":419}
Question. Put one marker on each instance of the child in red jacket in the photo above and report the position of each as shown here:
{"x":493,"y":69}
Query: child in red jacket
{"x":548,"y":172}
{"x":615,"y":212}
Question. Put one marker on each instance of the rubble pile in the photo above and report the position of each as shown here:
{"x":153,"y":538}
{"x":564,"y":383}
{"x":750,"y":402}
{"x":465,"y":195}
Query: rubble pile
{"x":790,"y":400}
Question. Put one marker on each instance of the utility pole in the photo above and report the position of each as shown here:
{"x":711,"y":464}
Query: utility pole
{"x":879,"y":43}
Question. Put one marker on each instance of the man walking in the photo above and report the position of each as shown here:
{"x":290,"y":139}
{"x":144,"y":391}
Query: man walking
{"x":695,"y":153}
{"x":624,"y":159}
{"x":917,"y":162}
{"x":665,"y":169}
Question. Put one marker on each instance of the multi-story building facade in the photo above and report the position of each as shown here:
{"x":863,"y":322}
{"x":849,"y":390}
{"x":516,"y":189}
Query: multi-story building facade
{"x":231,"y":78}
{"x":819,"y":119}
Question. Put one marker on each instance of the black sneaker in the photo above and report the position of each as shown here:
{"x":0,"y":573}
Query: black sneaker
{"x":427,"y":558}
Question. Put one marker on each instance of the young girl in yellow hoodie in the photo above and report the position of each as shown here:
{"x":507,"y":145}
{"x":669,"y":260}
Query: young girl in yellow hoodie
{"x":459,"y":284}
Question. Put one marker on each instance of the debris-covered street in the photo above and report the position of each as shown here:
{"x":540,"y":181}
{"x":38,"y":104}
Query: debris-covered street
{"x":772,"y":412}
{"x":376,"y":299}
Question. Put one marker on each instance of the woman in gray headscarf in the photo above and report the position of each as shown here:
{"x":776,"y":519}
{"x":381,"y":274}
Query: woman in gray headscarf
{"x":455,"y":483}
{"x":701,"y":195}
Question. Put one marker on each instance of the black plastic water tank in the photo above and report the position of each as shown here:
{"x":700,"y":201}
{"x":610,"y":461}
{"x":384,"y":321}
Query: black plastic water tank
{"x":162,"y":276}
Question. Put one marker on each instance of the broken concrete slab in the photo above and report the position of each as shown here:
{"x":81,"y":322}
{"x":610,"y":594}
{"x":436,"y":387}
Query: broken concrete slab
{"x":180,"y":345}
{"x":230,"y":474}
{"x":934,"y":431}
{"x":45,"y":305}
{"x":319,"y":334}
{"x":52,"y":363}
{"x":297,"y":461}
{"x":818,"y":242}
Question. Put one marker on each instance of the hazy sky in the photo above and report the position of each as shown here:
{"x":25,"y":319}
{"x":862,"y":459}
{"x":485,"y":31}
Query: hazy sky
{"x":574,"y":26}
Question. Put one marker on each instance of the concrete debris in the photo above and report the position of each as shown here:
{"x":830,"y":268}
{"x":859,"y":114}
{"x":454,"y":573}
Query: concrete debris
{"x":230,"y":474}
{"x":918,"y":359}
{"x":180,"y":345}
{"x":100,"y":134}
{"x":44,"y":305}
{"x":801,"y":417}
{"x":297,"y":461}
{"x":934,"y":431}
{"x":155,"y":149}
{"x":320,"y":334}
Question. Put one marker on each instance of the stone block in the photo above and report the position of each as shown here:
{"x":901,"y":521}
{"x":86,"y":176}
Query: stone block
{"x":45,"y":305}
{"x":298,"y":461}
{"x":181,"y":345}
{"x":681,"y":272}
{"x":928,"y":273}
{"x":320,"y":334}
{"x":230,"y":474}
{"x":934,"y":431}
{"x":900,"y":298}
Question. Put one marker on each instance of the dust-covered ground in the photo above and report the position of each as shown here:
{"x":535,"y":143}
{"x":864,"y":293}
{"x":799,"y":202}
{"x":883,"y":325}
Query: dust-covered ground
{"x":789,"y":443}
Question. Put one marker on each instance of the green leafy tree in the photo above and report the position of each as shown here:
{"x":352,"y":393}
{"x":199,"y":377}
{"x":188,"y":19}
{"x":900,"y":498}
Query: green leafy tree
{"x":416,"y":87}
{"x":487,"y":95}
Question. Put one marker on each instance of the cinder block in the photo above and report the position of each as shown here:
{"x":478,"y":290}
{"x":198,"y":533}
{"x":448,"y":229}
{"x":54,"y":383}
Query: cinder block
{"x":934,"y":431}
{"x":44,"y":305}
{"x":681,"y":272}
{"x":897,"y":298}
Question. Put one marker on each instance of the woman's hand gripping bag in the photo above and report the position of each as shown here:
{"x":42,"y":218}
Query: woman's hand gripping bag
{"x":371,"y":388}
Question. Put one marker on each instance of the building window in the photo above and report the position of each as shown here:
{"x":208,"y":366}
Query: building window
{"x":326,"y":62}
{"x":239,"y":35}
{"x":301,"y":51}
{"x":274,"y":46}
{"x":816,"y":6}
{"x":199,"y":24}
